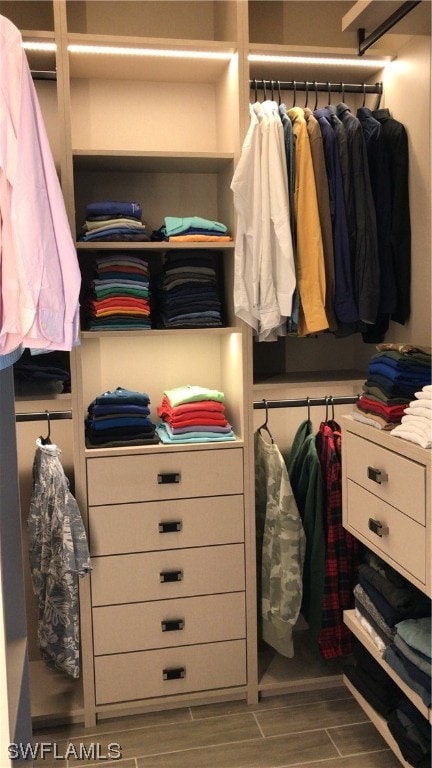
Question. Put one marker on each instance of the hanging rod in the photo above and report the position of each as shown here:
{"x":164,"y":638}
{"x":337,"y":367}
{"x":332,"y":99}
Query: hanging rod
{"x":43,"y":74}
{"x":365,"y":42}
{"x":305,"y":402}
{"x":313,"y":86}
{"x":43,"y":415}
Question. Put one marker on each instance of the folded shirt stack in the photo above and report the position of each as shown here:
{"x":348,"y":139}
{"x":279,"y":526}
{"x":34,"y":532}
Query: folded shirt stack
{"x":193,"y":414}
{"x":383,"y":598}
{"x":191,"y":229}
{"x":120,"y":297}
{"x":42,"y":374}
{"x":416,"y":424}
{"x":412,"y":733}
{"x":113,"y":220}
{"x":188,"y":294}
{"x":394,"y":375}
{"x":120,"y":417}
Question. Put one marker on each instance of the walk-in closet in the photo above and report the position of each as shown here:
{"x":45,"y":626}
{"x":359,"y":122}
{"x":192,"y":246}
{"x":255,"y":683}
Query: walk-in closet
{"x":151,"y":102}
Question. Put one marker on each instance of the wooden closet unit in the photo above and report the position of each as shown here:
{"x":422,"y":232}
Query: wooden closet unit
{"x":166,"y":131}
{"x":398,"y":499}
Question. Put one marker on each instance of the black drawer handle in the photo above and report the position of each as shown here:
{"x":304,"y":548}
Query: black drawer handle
{"x":171,"y":526}
{"x":167,"y":478}
{"x":172,"y":625}
{"x":376,"y":527}
{"x":376,"y":475}
{"x":165,"y":576}
{"x":175,"y":673}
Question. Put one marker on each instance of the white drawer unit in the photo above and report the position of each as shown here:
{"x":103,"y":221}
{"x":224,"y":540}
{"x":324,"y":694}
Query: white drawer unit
{"x":167,"y":541}
{"x":386,"y":488}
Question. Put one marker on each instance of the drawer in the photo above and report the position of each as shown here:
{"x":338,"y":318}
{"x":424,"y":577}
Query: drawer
{"x":405,"y":542}
{"x":163,"y":575}
{"x":403,"y":481}
{"x":131,"y":676}
{"x":146,"y":526}
{"x":167,"y":623}
{"x":165,"y":475}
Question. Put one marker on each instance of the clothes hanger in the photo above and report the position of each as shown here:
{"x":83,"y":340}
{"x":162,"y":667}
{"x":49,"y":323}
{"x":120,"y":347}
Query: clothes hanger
{"x":343,"y":92}
{"x":265,"y":425}
{"x":264,"y":89}
{"x":294,"y":92}
{"x":307,"y":94}
{"x":329,"y":92}
{"x":255,"y":89}
{"x":47,"y":440}
{"x":364,"y":94}
{"x":279,"y":92}
{"x":308,"y":408}
{"x":272,"y":89}
{"x":316,"y":98}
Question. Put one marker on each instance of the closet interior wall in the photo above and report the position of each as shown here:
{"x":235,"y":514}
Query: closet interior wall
{"x":168,"y":133}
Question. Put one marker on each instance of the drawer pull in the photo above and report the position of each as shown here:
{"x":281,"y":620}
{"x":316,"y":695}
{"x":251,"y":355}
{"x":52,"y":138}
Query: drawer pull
{"x":167,"y":478}
{"x":176,"y":673}
{"x":172,"y":625}
{"x":170,"y":526}
{"x":165,"y":576}
{"x":376,"y":527}
{"x":376,"y":475}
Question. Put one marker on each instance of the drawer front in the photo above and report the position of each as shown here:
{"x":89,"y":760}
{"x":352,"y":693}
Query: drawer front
{"x":143,"y":675}
{"x":399,"y":481}
{"x":146,"y":526}
{"x":168,"y":623}
{"x":163,"y":575}
{"x":171,"y":475}
{"x":405,"y":541}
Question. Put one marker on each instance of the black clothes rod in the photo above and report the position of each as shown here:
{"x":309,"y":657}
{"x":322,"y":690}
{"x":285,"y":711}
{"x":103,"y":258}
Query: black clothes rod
{"x":365,"y":42}
{"x":305,"y":402}
{"x":43,"y":74}
{"x":314,"y":87}
{"x":43,"y":416}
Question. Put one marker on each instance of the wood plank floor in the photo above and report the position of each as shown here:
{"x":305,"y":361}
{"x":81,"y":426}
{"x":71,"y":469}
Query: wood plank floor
{"x":321,"y":729}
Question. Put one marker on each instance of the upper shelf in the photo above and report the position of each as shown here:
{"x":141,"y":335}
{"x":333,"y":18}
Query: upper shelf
{"x":369,"y":14}
{"x":116,"y":58}
{"x":151,"y":162}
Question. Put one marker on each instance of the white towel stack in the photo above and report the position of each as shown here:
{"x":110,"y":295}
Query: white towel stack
{"x":416,"y":424}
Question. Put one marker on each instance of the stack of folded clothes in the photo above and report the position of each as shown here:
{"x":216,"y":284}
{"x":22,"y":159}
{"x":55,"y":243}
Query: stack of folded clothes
{"x":191,"y":229}
{"x":385,"y":599}
{"x":416,"y":424}
{"x":395,"y":373}
{"x":119,"y":417}
{"x":412,"y":733}
{"x":113,"y":220}
{"x":188,"y":294}
{"x":372,"y":681}
{"x":120,"y":297}
{"x":42,"y":374}
{"x":410,"y":655}
{"x":193,"y":414}
{"x":407,"y":725}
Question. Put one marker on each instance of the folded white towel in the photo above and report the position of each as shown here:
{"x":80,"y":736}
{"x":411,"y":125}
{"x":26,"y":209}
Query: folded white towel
{"x":425,"y":393}
{"x":401,"y":430}
{"x":424,"y":413}
{"x":423,"y":402}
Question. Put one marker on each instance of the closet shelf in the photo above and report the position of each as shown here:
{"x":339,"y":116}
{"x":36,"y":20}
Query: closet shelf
{"x":94,"y":453}
{"x":162,"y":332}
{"x":356,"y":628}
{"x":134,"y":67}
{"x":152,"y":246}
{"x":321,"y":71}
{"x":356,"y":378}
{"x":151,"y":162}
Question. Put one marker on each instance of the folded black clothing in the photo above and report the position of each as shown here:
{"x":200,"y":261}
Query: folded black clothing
{"x":381,"y":700}
{"x":403,"y":597}
{"x":411,"y":750}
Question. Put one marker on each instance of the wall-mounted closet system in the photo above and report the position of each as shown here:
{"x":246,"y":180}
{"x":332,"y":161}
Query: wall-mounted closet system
{"x":168,"y":132}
